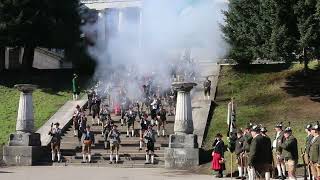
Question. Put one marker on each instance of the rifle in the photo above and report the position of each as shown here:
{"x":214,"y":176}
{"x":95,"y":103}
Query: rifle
{"x":304,"y":166}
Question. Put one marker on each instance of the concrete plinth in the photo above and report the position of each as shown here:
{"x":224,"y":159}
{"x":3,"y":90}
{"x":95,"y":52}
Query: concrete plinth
{"x":183,"y":141}
{"x":21,"y":155}
{"x":24,"y":139}
{"x":183,"y":152}
{"x":181,"y":158}
{"x":24,"y":145}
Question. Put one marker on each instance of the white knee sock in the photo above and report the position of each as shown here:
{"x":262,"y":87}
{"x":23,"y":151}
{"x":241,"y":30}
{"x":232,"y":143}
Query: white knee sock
{"x":75,"y":133}
{"x":267,"y":176}
{"x":244,"y":171}
{"x":141,"y":144}
{"x":240,"y":171}
{"x":279,"y":170}
{"x":127,"y":132}
{"x":59,"y":157}
{"x":117,"y":158}
{"x":89,"y":157}
{"x":83,"y":157}
{"x":53,"y":156}
{"x":132,"y":133}
{"x":283,"y":167}
{"x":152,"y":159}
{"x":111,"y":157}
{"x":147,"y":158}
{"x":163,"y":132}
{"x":98,"y":121}
{"x":158,"y":132}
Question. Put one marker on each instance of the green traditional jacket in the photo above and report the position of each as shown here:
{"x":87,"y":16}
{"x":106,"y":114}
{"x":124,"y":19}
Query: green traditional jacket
{"x":290,"y":148}
{"x":308,"y":143}
{"x":247,"y":141}
{"x":75,"y":85}
{"x":314,"y":150}
{"x":279,"y":141}
{"x":260,"y":151}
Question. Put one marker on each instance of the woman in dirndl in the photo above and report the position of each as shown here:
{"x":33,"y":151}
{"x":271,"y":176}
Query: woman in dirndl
{"x":217,"y":163}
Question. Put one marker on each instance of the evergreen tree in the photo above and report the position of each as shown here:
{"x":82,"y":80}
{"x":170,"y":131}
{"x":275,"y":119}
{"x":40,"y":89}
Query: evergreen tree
{"x":240,"y":29}
{"x":309,"y":29}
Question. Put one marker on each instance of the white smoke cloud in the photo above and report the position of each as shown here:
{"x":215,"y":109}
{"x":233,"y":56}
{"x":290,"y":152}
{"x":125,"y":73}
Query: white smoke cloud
{"x":167,"y":29}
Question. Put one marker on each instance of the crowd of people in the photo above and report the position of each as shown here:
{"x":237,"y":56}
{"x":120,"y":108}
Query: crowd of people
{"x":259,"y":155}
{"x":150,"y":112}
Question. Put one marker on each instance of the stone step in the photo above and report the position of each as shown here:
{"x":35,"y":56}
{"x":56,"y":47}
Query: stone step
{"x":137,"y":164}
{"x":71,"y":159}
{"x":122,"y":157}
{"x":101,"y":145}
{"x":122,"y":154}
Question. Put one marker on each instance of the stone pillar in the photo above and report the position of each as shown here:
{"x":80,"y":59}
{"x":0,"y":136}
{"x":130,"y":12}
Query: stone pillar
{"x":25,"y":119}
{"x":183,"y":149}
{"x":24,"y":146}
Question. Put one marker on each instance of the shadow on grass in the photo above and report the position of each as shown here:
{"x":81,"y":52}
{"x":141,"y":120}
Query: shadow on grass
{"x":262,"y":68}
{"x":299,"y":85}
{"x":49,"y":81}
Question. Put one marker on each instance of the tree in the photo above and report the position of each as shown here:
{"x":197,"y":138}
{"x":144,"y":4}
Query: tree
{"x":309,"y":30}
{"x":240,"y":29}
{"x":32,"y":23}
{"x":285,"y":33}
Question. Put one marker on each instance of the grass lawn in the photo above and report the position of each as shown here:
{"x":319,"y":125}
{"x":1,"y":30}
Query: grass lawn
{"x":45,"y":105}
{"x":54,"y":90}
{"x":267,"y":94}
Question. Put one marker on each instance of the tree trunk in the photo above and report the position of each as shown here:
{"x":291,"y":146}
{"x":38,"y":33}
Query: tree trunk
{"x":27,"y":60}
{"x":2,"y":58}
{"x":306,"y":63}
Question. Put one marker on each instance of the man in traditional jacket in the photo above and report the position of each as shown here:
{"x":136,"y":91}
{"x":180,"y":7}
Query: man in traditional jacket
{"x":260,"y":153}
{"x":290,"y":152}
{"x":277,"y":151}
{"x":239,"y":151}
{"x":314,"y":156}
{"x":56,"y":134}
{"x":75,"y":87}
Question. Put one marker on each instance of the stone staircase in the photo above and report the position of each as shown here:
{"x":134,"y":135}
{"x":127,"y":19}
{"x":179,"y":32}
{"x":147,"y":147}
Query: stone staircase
{"x":130,"y":155}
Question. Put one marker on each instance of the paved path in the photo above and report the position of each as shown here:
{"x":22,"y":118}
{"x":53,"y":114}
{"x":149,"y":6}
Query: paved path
{"x":200,"y":106}
{"x":63,"y":116}
{"x":95,"y":173}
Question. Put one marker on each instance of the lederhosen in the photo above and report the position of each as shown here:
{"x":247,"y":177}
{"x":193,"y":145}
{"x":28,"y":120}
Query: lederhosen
{"x":154,"y":108}
{"x":88,"y":140}
{"x":149,"y":140}
{"x":114,"y":137}
{"x":82,"y":121}
{"x":75,"y":119}
{"x":95,"y":107}
{"x":131,"y":118}
{"x":163,"y":116}
{"x":107,"y":128}
{"x":104,"y":115}
{"x":56,"y":138}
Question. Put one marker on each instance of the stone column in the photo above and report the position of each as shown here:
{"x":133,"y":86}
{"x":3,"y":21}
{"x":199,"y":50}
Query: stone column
{"x":25,"y":119}
{"x":183,"y":123}
{"x":183,"y":149}
{"x":24,"y":147}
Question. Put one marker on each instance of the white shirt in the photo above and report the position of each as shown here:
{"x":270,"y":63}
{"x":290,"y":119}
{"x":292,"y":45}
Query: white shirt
{"x":274,"y":143}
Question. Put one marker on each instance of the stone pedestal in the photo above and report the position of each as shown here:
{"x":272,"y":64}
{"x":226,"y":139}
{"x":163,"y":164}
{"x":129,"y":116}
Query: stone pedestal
{"x":24,"y":145}
{"x":183,"y":152}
